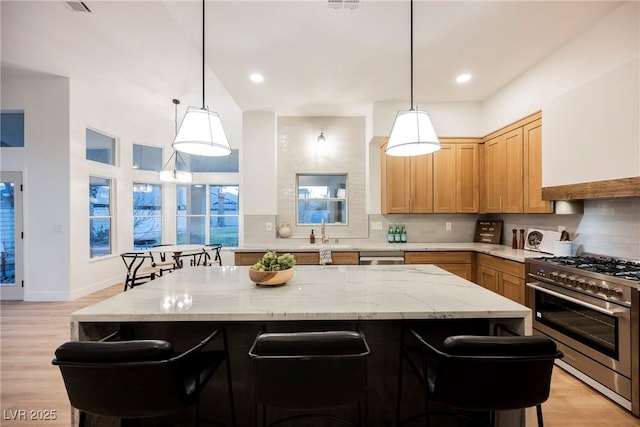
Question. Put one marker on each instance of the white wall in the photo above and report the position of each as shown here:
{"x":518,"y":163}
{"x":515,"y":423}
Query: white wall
{"x":44,"y":162}
{"x":258,"y":162}
{"x":588,"y":94}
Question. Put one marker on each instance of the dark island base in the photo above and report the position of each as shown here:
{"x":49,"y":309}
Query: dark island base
{"x":384,"y":341}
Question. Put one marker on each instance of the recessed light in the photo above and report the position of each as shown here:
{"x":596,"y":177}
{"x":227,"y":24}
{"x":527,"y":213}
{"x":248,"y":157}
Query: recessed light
{"x":256,"y":78}
{"x":463,"y":78}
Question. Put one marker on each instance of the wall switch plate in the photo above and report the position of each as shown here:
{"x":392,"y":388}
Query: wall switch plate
{"x":268,"y":226}
{"x":447,"y":226}
{"x":376,"y":225}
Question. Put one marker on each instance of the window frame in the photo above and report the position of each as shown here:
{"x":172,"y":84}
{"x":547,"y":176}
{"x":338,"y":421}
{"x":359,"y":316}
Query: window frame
{"x":345,"y":199}
{"x":110,"y":217}
{"x":115,"y":148}
{"x":159,"y":217}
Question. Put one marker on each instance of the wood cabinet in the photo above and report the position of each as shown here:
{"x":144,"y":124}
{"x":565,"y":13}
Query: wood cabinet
{"x":407,"y":183}
{"x":532,"y":161}
{"x":455,"y":177}
{"x":302,"y":258}
{"x":458,"y":263}
{"x":503,"y":172}
{"x":502,"y":276}
{"x":511,"y":162}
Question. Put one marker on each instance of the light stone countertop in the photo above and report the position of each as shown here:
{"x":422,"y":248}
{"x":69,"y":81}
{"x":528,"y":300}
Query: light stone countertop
{"x":298,"y":245}
{"x":314,"y":293}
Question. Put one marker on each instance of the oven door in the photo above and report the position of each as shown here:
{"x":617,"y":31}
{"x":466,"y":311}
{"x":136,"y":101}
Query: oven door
{"x":593,"y":327}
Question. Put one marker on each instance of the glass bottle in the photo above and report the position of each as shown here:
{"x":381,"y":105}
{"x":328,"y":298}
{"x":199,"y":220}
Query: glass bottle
{"x":396,"y":234}
{"x":390,"y":234}
{"x":403,"y":234}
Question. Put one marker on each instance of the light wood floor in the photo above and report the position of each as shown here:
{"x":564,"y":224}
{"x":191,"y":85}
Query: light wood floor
{"x":31,"y":331}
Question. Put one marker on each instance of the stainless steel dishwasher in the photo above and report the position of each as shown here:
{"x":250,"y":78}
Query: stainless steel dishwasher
{"x":381,"y":257}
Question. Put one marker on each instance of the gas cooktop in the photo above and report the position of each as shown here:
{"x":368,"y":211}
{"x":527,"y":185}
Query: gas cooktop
{"x":629,"y":270}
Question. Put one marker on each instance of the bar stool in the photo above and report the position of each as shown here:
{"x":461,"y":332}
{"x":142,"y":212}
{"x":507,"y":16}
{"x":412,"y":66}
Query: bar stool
{"x":301,"y":372}
{"x":480,"y":373}
{"x":139,"y":379}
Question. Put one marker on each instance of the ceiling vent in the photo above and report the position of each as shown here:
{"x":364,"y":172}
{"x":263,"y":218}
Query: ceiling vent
{"x":347,"y":4}
{"x":77,"y":6}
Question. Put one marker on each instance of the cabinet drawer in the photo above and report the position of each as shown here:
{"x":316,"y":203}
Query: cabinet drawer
{"x":503,"y":265}
{"x":438,"y":257}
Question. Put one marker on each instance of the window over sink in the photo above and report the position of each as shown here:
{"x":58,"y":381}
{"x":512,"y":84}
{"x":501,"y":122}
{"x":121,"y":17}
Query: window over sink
{"x":321,"y":197}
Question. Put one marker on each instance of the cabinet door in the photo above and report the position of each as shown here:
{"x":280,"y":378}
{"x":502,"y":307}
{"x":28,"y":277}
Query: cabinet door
{"x":495,"y":160}
{"x":421,"y":177}
{"x":512,"y":287}
{"x":396,"y":180}
{"x":461,"y":270}
{"x":467,"y":161}
{"x":445,"y":179}
{"x":488,"y":278}
{"x":512,"y":198}
{"x":532,"y":145}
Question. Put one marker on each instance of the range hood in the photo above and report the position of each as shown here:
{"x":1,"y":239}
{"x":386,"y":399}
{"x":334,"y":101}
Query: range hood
{"x":608,"y":189}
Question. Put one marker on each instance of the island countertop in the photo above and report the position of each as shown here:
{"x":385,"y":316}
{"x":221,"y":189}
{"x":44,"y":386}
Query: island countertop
{"x":392,"y":292}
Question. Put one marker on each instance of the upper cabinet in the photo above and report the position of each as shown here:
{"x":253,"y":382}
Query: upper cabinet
{"x":455,"y":176}
{"x":407,"y":183}
{"x":512,"y":169}
{"x":501,"y":173}
{"x":444,"y":182}
{"x":532,"y":161}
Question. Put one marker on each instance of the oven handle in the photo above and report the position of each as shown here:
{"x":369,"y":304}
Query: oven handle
{"x":614,"y":313}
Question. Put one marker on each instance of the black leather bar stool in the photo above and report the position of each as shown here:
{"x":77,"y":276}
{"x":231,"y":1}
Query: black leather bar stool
{"x":480,"y":373}
{"x":139,"y":379}
{"x":303,"y":372}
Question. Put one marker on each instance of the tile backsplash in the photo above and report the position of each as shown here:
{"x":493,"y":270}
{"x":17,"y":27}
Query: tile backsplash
{"x":609,"y":227}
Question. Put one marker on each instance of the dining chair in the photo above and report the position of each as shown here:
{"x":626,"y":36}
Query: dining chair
{"x":140,"y":269}
{"x":209,"y":256}
{"x":471,"y":374}
{"x":140,"y":379}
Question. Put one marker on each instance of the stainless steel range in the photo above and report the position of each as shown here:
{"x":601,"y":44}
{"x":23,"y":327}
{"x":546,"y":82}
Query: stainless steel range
{"x":589,"y":305}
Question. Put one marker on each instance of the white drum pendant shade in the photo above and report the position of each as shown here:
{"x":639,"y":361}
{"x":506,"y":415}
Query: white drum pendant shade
{"x":412,"y":134}
{"x":201,"y":134}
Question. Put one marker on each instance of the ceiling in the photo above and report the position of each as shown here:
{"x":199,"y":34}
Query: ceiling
{"x":316,"y":60}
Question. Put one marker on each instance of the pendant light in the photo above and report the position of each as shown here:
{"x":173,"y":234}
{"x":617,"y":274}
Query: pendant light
{"x":201,"y":131}
{"x":412,"y":133}
{"x":174,"y":175}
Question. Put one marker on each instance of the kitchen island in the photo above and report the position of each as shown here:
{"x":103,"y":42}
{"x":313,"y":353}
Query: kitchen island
{"x":378,"y":299}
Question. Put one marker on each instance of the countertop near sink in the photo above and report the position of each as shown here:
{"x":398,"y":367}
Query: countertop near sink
{"x":501,"y":251}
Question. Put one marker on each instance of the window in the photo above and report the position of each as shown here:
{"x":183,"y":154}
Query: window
{"x":12,"y":129}
{"x":147,"y":158}
{"x":322,"y":197}
{"x":147,"y":215}
{"x":198,"y":225}
{"x":101,"y":148}
{"x":223,"y":215}
{"x":212,"y":164}
{"x":99,"y":216}
{"x":191,"y":215}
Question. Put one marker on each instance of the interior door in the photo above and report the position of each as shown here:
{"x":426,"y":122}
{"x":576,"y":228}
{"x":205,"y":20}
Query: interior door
{"x":11,"y":283}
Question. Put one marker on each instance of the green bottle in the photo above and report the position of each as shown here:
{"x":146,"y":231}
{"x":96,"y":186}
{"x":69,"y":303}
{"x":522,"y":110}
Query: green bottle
{"x":403,"y":234}
{"x":396,"y":234}
{"x":390,"y":234}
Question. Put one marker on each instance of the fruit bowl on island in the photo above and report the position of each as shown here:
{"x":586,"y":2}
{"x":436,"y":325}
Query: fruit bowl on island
{"x":272,"y":269}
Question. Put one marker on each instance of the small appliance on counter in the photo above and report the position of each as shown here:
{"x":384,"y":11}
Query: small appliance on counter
{"x":541,"y":240}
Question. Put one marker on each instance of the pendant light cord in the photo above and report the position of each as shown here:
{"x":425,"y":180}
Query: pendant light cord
{"x":203,"y":107}
{"x":411,"y":48}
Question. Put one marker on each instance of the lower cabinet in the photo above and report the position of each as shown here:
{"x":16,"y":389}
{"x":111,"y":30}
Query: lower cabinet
{"x":502,"y":276}
{"x":302,"y":258}
{"x":458,"y":263}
